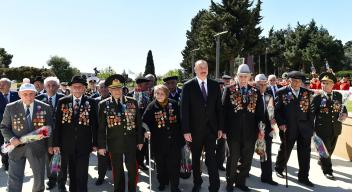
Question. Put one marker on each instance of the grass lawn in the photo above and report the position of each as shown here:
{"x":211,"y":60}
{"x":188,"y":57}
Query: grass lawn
{"x":349,"y":106}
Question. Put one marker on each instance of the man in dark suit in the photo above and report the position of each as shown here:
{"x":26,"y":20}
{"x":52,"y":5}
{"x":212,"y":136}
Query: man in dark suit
{"x":267,"y":99}
{"x":242,"y":114}
{"x":75,"y":133}
{"x":6,"y":96}
{"x":273,"y":87}
{"x":38,"y":82}
{"x":20,"y":118}
{"x":328,"y":114}
{"x":120,"y":130}
{"x":294,"y":118}
{"x":201,"y":114}
{"x":51,"y":97}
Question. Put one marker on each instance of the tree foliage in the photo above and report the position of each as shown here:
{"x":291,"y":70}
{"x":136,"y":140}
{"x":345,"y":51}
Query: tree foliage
{"x":149,"y":66}
{"x":5,"y":58}
{"x":62,"y":69}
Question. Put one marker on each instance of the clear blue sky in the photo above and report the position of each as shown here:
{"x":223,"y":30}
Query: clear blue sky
{"x":119,"y":33}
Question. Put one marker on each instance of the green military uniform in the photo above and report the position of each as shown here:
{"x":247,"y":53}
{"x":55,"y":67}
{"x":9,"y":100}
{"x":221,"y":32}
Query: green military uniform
{"x":326,"y":108}
{"x":120,"y":131}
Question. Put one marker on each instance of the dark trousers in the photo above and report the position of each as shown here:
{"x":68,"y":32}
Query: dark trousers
{"x":303,"y":153}
{"x":330,"y":144}
{"x":220,"y":152}
{"x":131,"y":165}
{"x":78,"y":171}
{"x":266,"y":166}
{"x":62,"y":177}
{"x":168,"y":166}
{"x":208,"y":141}
{"x":239,"y":150}
{"x":142,"y":154}
{"x":103,"y":164}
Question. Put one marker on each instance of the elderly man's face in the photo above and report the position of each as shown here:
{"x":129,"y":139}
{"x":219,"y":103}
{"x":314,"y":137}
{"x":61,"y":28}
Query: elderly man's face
{"x":103,"y":90}
{"x":39,"y":86}
{"x":27,"y":97}
{"x":243,"y":79}
{"x":116,"y":92}
{"x":171,"y":85}
{"x":201,"y":70}
{"x":78,"y":89}
{"x":272,"y":81}
{"x":295,"y":83}
{"x":51,"y":87}
{"x":262,"y":85}
{"x":4,"y":87}
{"x":327,"y":86}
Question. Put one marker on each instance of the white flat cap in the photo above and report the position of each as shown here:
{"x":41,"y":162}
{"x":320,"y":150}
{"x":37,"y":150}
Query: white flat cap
{"x":260,"y":77}
{"x":27,"y":87}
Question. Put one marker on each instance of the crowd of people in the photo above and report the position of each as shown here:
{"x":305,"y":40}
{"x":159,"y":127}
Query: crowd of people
{"x":212,"y":117}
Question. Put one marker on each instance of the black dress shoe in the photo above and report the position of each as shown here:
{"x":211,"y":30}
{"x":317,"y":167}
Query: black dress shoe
{"x":243,"y":188}
{"x":161,"y":187}
{"x":280,"y":174}
{"x":99,"y":182}
{"x":330,"y":176}
{"x":50,"y":185}
{"x":306,"y":182}
{"x":6,"y":167}
{"x":143,"y":167}
{"x":270,"y":182}
{"x":222,"y":168}
{"x":196,"y":188}
{"x":229,"y":188}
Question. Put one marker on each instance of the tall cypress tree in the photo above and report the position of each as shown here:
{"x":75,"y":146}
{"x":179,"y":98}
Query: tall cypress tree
{"x":149,"y":67}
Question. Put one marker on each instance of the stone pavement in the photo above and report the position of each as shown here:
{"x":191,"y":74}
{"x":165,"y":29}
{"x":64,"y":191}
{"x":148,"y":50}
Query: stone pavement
{"x":342,"y":168}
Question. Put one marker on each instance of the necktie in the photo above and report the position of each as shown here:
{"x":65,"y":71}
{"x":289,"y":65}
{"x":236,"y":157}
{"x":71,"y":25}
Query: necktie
{"x":5,"y":95}
{"x":28,"y":117}
{"x":329,"y":96}
{"x":274,"y":87}
{"x":204,"y":93}
{"x":51,"y":101}
{"x":76,"y":106}
{"x":263,"y":96}
{"x":243,"y":90}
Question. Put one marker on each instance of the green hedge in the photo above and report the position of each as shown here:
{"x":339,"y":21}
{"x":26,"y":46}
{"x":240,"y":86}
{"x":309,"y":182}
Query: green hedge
{"x":343,"y":73}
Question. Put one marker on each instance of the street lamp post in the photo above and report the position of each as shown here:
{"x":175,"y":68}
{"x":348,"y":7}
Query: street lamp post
{"x":193,"y":52}
{"x":217,"y":66}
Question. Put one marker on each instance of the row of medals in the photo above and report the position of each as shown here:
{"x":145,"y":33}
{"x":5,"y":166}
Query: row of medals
{"x":116,"y":118}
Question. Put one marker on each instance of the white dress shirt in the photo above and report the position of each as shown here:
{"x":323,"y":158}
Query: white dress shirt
{"x":205,"y":84}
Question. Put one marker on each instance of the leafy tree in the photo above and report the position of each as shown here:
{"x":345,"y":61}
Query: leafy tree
{"x":62,"y":69}
{"x":106,"y":72}
{"x":348,"y":55}
{"x":5,"y":58}
{"x":18,"y":73}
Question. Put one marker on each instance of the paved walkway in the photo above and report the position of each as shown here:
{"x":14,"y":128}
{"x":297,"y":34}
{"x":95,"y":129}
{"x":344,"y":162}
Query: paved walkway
{"x":342,"y":168}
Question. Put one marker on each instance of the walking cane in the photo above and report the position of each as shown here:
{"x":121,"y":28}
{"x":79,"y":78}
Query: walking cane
{"x":150,"y":170}
{"x":285,"y":136}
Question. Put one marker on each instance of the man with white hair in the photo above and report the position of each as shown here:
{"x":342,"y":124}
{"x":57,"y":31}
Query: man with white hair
{"x":18,"y":120}
{"x":272,"y":87}
{"x":267,"y":99}
{"x":241,"y":112}
{"x":51,"y":97}
{"x":6,"y":96}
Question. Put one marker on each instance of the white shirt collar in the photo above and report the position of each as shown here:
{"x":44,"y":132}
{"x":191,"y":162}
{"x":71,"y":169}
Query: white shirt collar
{"x":31,"y":107}
{"x":200,"y":81}
{"x":74,"y":99}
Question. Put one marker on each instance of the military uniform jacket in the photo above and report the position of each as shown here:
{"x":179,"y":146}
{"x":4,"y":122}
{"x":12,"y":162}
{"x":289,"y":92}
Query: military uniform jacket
{"x":294,"y":112}
{"x":326,"y":112}
{"x":120,"y":126}
{"x":76,"y":133}
{"x":242,"y":113}
{"x":164,"y":125}
{"x":177,"y":95}
{"x":14,"y":124}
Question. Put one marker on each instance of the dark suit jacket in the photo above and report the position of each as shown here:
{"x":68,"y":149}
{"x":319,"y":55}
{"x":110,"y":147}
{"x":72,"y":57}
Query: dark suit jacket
{"x":44,"y":98}
{"x":70,"y":133}
{"x":270,"y":91}
{"x":164,"y":138}
{"x":201,"y":117}
{"x":326,"y":113}
{"x":241,"y":124}
{"x":13,"y":97}
{"x":288,"y":111}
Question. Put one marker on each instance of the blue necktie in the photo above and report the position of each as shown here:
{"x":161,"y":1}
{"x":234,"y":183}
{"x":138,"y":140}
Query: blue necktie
{"x":204,"y":93}
{"x":7,"y":101}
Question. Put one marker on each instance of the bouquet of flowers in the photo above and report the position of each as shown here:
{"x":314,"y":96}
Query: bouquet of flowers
{"x":260,"y":146}
{"x":36,"y":135}
{"x":271,"y":114}
{"x":56,"y":164}
{"x":319,"y":145}
{"x":186,"y":162}
{"x":346,"y":96}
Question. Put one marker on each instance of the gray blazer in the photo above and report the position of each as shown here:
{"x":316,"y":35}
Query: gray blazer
{"x":14,"y":124}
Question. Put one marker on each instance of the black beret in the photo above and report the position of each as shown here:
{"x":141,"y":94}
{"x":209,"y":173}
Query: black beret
{"x":78,"y":79}
{"x":170,"y":78}
{"x":114,"y":81}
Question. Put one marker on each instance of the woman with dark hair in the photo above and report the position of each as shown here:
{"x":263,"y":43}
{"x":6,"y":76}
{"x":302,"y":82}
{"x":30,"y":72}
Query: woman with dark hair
{"x":161,"y":120}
